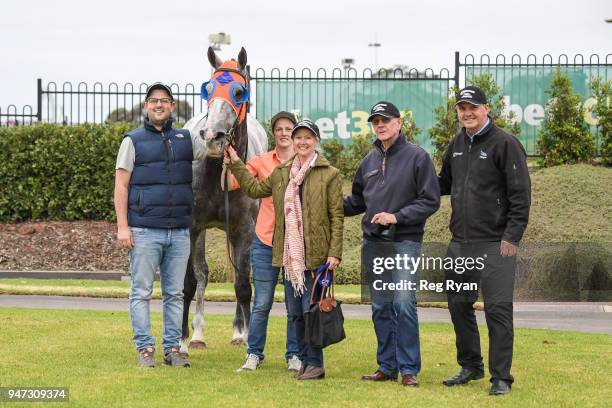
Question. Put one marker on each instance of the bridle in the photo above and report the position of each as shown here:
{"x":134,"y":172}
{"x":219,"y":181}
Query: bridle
{"x":242,"y":104}
{"x":230,"y":139}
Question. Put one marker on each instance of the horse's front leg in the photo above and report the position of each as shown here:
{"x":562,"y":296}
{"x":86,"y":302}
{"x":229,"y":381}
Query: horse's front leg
{"x":241,"y":243}
{"x":196,"y":285}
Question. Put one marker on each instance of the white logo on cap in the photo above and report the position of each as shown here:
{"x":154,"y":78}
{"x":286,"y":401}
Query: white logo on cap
{"x":379,"y":107}
{"x":467,"y":93}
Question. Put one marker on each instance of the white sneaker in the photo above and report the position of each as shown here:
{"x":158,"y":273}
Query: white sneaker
{"x":294,"y":364}
{"x":251,"y":363}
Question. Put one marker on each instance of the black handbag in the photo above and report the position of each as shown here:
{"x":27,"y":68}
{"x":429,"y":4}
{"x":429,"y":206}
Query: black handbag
{"x":324,"y":318}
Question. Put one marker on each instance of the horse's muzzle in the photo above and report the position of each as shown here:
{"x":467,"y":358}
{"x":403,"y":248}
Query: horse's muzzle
{"x":216,"y":147}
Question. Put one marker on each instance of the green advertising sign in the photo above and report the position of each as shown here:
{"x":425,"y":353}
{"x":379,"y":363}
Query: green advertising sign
{"x":340,"y":107}
{"x":525,"y":94}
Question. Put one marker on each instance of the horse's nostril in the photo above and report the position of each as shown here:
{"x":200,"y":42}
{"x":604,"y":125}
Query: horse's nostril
{"x":219,"y":135}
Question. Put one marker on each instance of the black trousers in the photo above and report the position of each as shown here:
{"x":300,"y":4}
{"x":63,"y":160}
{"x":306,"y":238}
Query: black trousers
{"x":494,"y":276}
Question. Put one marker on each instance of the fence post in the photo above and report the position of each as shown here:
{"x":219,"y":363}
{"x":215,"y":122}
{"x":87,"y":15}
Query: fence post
{"x":457,"y":65}
{"x":39,"y":99}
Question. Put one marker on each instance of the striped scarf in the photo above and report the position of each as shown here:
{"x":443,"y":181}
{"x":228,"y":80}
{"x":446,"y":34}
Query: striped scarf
{"x":293,"y":255}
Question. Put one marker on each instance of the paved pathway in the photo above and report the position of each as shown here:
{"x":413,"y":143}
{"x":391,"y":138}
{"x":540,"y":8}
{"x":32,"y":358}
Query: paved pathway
{"x":584,"y":317}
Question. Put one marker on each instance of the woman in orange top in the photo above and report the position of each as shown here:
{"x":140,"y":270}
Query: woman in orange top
{"x":265,"y":276}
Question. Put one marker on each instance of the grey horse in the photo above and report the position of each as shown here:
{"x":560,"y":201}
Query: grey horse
{"x":225,"y":122}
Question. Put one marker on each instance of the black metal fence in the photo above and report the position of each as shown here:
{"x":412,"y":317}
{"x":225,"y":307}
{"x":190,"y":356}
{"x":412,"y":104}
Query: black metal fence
{"x":84,"y":103}
{"x":524,"y":82}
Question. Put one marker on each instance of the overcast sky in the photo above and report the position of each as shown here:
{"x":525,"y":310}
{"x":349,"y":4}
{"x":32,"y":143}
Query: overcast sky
{"x":155,"y":40}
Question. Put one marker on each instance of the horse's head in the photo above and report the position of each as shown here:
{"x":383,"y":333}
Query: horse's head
{"x":227,"y":94}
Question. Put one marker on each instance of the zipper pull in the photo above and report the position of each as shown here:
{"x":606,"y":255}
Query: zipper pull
{"x":384,"y":165}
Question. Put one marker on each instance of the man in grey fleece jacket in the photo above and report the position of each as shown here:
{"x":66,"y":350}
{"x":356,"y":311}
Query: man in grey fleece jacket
{"x":397,"y":188}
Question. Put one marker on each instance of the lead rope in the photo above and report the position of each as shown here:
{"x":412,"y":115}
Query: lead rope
{"x":225,"y":188}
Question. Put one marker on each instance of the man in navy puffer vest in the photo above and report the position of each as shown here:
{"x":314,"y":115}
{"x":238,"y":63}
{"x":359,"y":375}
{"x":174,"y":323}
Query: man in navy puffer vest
{"x":153,"y":201}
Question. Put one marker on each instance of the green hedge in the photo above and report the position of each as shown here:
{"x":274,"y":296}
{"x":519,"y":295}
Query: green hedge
{"x":67,"y":172}
{"x":58,"y":172}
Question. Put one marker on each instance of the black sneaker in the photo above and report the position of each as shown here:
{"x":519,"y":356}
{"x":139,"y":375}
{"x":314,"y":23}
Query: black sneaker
{"x":175,"y":358}
{"x":146,"y":358}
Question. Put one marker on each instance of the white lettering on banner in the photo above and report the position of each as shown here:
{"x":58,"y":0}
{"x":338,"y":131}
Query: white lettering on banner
{"x":342,"y":121}
{"x":326,"y":127}
{"x":589,"y":117}
{"x":534,"y":113}
{"x":340,"y":126}
{"x":515,"y":109}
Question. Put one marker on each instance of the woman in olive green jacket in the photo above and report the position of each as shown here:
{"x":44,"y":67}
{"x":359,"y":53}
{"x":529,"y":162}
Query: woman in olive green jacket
{"x":308,"y":215}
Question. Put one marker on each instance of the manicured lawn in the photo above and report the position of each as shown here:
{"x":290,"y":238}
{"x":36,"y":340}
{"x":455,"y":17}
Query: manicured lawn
{"x":91,"y":353}
{"x":120,"y":289}
{"x":216,"y":292}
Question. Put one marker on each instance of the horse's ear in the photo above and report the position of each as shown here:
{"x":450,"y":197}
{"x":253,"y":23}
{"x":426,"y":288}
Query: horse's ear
{"x":213,"y":58}
{"x":242,"y":59}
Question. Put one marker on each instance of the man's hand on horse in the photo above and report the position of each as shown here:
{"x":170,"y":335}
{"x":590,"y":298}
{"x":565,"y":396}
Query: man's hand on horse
{"x":230,"y":154}
{"x":333,"y":262}
{"x":124,"y":238}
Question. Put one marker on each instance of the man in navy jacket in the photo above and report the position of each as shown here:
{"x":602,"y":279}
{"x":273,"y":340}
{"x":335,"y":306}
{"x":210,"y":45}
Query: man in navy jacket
{"x":397,"y":188}
{"x":153,"y":201}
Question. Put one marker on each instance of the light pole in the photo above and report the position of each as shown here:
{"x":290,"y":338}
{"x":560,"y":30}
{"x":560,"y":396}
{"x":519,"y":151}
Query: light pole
{"x":347,"y":63}
{"x":375,"y":45}
{"x":216,"y":40}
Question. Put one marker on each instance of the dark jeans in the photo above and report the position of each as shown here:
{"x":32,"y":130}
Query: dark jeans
{"x":297,"y":307}
{"x":265,"y":278}
{"x":394,"y":311}
{"x":496,"y":281}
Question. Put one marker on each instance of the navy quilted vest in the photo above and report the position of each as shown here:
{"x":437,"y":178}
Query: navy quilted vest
{"x":160,"y":194}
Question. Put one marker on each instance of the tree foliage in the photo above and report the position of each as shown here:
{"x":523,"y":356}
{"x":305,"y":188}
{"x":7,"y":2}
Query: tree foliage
{"x":602,"y":92}
{"x":564,"y":136}
{"x":445,"y":125}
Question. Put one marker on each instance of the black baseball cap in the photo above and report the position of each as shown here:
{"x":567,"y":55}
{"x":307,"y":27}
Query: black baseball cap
{"x":159,"y":85}
{"x":471,"y":94}
{"x":283,"y":115}
{"x":308,"y":124}
{"x":383,"y":108}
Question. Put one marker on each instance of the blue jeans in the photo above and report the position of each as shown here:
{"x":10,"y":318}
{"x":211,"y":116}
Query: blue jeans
{"x":168,"y":249}
{"x":297,"y":307}
{"x":394,"y":311}
{"x":265,"y":278}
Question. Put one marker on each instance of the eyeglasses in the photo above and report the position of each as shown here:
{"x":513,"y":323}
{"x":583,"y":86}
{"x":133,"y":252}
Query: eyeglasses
{"x":384,"y":120}
{"x":164,"y":101}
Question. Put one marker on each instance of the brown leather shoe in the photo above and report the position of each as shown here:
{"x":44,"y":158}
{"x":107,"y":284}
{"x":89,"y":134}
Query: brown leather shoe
{"x":410,"y":380}
{"x":301,"y":371}
{"x":312,"y":373}
{"x":378,"y":376}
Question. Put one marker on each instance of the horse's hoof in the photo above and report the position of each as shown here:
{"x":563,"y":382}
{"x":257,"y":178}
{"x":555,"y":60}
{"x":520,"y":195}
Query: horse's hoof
{"x":238,"y":342}
{"x":197,"y":345}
